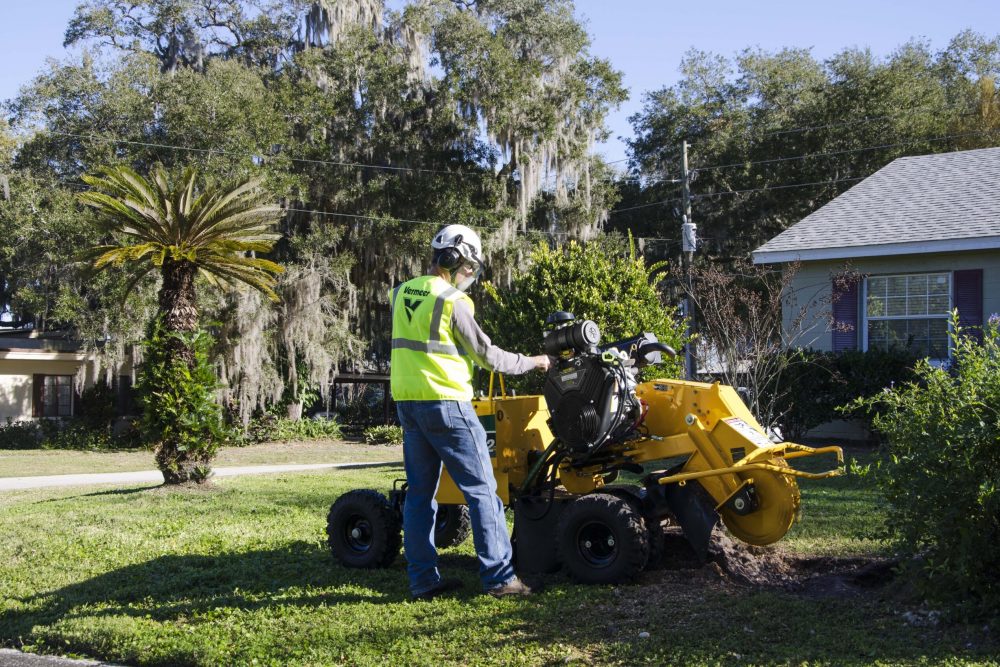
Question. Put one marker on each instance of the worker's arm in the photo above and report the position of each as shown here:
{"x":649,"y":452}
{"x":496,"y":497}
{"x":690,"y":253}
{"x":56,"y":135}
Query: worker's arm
{"x":478,"y":345}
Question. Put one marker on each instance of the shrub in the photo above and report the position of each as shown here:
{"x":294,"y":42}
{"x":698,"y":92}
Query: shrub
{"x":75,"y":434}
{"x":97,"y":406}
{"x":180,"y":417}
{"x":20,"y":434}
{"x":604,"y":281}
{"x":940,"y":471}
{"x":270,"y":428}
{"x":815,"y":386}
{"x":384,"y":435}
{"x":304,"y":429}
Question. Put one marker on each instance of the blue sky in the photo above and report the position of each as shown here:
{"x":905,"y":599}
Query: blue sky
{"x":645,"y":39}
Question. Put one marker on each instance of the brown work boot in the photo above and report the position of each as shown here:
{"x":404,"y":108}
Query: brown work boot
{"x":443,"y":586}
{"x":513,"y":587}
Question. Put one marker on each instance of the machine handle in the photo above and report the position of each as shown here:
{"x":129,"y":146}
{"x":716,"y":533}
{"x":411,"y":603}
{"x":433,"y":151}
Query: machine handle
{"x":503,"y":388}
{"x":657,"y":347}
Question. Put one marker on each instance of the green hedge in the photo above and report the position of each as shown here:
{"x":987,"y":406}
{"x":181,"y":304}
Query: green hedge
{"x":76,"y":434}
{"x":92,"y":428}
{"x":816,"y":386}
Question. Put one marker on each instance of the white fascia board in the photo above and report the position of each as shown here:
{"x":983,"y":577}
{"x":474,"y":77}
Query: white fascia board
{"x":881,"y":250}
{"x":41,"y":355}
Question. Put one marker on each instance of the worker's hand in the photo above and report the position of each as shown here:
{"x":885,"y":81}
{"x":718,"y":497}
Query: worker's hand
{"x":542,"y":362}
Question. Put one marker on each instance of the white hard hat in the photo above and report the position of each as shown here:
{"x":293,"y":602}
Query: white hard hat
{"x":462,"y":239}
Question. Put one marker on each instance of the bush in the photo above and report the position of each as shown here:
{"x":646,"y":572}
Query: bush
{"x":74,"y":434}
{"x":270,"y":428}
{"x":815,"y":386}
{"x":180,"y":417}
{"x":20,"y":435}
{"x":940,"y":472}
{"x":604,"y":281}
{"x":384,"y":435}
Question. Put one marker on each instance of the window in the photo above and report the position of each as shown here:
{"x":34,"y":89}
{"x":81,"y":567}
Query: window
{"x":57,"y":396}
{"x":908,"y":311}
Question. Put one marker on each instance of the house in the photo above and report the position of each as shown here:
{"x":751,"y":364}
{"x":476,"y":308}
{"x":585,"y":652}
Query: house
{"x":44,"y":377}
{"x":922,"y":236}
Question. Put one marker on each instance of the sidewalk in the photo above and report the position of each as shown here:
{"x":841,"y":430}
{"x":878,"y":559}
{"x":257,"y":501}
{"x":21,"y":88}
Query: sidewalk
{"x":11,"y":658}
{"x":155,"y":477}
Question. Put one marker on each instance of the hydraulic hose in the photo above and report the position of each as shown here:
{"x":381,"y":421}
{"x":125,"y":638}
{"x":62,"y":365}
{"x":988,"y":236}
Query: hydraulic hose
{"x":537,"y":466}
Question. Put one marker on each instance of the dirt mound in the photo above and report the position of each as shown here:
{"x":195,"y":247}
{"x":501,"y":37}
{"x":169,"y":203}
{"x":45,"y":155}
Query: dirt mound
{"x":733,"y":562}
{"x":728,"y":558}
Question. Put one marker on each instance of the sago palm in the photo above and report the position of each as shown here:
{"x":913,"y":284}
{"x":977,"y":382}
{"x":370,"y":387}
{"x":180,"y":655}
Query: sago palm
{"x":170,"y":226}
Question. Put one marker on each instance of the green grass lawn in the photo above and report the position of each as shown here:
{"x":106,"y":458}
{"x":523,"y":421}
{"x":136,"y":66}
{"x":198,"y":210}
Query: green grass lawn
{"x":240,"y":574}
{"x":25,"y":463}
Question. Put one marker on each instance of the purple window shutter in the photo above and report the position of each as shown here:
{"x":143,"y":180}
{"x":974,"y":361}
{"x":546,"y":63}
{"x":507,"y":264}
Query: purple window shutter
{"x":845,"y":315}
{"x":968,"y":299}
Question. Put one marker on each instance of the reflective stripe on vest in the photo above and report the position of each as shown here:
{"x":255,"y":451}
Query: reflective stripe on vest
{"x":426,"y":362}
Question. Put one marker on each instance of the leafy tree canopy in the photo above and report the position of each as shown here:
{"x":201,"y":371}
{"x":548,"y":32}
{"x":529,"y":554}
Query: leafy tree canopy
{"x":762,"y":122}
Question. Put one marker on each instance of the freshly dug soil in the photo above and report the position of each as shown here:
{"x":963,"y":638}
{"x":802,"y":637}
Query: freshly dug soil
{"x":733,"y":562}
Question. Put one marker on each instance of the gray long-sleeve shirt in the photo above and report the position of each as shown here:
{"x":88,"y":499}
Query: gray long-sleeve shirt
{"x":478,"y":345}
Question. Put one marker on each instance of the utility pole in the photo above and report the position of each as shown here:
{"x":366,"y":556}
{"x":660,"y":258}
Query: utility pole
{"x":689,"y":241}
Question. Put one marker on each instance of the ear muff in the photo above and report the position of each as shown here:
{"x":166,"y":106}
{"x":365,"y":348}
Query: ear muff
{"x":448,"y":259}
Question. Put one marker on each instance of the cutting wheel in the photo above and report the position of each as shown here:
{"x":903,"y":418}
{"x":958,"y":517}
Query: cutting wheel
{"x":778,"y":498}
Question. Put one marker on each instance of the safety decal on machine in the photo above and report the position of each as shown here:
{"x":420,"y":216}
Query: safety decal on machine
{"x":748,"y":432}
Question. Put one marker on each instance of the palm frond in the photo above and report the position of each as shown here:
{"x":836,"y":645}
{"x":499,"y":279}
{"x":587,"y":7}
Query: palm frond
{"x":259,"y":280}
{"x":161,"y":221}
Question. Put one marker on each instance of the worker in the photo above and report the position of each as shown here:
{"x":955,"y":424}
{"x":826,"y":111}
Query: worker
{"x":435,"y":341}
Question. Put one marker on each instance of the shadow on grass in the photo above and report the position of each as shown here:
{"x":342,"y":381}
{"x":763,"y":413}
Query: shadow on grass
{"x":693,"y":617}
{"x":174,"y":586}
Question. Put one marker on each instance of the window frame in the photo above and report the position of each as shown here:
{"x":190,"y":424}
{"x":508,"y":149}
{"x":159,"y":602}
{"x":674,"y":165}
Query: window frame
{"x":865,"y":318}
{"x":43,"y":393}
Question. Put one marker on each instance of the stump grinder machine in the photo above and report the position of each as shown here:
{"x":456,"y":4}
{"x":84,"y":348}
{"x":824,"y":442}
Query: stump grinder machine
{"x":693,"y":453}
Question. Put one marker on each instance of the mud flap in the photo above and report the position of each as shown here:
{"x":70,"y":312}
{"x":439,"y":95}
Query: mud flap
{"x":535,"y":523}
{"x":695,"y":512}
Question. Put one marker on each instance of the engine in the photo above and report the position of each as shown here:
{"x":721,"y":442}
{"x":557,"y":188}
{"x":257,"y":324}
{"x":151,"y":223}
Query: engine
{"x":590,"y":390}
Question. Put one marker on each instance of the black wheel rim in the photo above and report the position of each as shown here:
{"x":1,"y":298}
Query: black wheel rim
{"x":358,"y":534}
{"x":596,"y":544}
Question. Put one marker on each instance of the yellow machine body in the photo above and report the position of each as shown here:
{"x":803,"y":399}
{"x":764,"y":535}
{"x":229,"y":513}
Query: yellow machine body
{"x":704,"y":431}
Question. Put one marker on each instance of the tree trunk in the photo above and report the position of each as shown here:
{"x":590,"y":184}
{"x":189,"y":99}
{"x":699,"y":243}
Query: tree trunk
{"x":177,"y":304}
{"x":180,"y":315}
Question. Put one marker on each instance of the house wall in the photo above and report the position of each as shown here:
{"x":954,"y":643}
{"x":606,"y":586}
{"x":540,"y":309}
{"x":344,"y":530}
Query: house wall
{"x":16,"y":380}
{"x":811,"y":288}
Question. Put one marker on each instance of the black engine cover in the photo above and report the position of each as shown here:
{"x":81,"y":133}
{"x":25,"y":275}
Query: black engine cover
{"x":580,"y":393}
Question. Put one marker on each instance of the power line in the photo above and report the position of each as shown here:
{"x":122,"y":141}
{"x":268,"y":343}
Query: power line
{"x":334,"y":163}
{"x":739,"y":192}
{"x":633,"y":208}
{"x":806,"y":156}
{"x":777,"y":187}
{"x":845,"y":152}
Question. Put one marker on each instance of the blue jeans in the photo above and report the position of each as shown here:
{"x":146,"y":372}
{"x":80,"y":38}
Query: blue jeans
{"x":449,"y":432}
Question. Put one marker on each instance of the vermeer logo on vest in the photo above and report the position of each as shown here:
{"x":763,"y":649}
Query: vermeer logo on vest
{"x":411,"y":305}
{"x":416,"y":292}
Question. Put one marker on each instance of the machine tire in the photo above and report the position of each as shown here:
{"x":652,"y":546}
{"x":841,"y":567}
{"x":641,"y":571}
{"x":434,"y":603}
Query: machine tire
{"x":363,"y":531}
{"x":452,"y":525}
{"x":602,"y":539}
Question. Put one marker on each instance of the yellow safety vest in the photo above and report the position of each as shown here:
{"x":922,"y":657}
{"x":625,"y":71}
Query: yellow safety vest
{"x":426,"y":362}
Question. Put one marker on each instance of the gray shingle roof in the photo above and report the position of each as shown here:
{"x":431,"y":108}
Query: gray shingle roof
{"x":924,"y":203}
